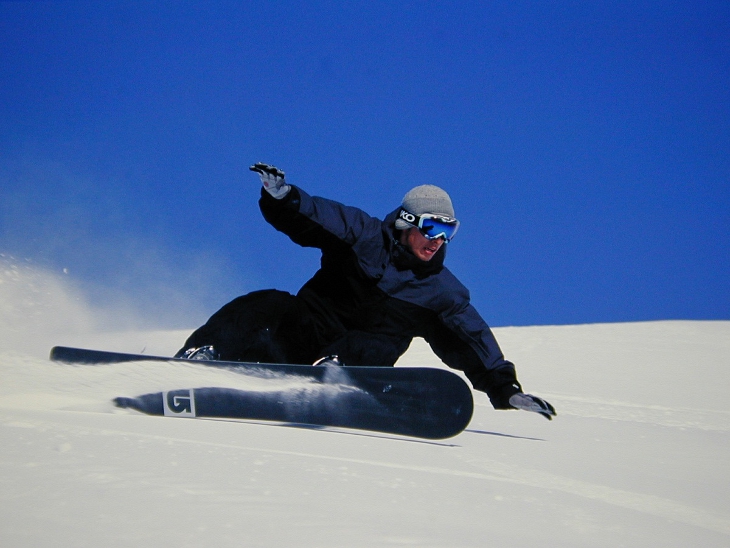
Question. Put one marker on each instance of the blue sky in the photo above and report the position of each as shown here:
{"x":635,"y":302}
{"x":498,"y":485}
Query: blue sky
{"x":586,"y":146}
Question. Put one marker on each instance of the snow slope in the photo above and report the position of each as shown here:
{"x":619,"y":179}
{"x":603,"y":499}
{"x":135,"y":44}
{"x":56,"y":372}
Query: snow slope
{"x":638,"y":455}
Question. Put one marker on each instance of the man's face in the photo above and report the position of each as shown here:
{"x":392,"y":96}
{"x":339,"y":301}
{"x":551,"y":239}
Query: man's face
{"x":420,"y":246}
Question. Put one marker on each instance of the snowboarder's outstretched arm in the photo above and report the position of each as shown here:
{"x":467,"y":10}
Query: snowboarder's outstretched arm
{"x":310,"y":221}
{"x":465,"y":342}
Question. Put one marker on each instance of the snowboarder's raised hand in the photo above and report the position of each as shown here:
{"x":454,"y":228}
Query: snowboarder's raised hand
{"x":528,"y":402}
{"x":273,"y":179}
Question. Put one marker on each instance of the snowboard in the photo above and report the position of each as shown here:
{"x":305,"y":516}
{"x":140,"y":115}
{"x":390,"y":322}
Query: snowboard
{"x":412,"y":401}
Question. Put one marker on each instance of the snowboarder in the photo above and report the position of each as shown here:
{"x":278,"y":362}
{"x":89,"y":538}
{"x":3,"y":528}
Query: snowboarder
{"x":381,"y":283}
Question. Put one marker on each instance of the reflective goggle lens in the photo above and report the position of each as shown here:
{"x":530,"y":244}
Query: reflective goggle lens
{"x":432,"y":226}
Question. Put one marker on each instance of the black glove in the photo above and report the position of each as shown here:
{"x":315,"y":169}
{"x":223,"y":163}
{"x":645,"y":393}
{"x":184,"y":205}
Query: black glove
{"x":528,"y":402}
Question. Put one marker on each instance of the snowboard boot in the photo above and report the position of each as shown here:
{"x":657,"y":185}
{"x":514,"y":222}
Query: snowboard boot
{"x":329,"y":360}
{"x":207,"y":353}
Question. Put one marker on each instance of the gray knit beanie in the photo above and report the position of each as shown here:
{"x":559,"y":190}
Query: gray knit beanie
{"x":425,"y":199}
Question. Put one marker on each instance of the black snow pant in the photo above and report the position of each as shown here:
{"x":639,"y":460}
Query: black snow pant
{"x":273,"y":326}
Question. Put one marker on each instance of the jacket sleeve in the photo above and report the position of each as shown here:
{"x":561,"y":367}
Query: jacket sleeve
{"x":316,"y":222}
{"x":464,"y":341}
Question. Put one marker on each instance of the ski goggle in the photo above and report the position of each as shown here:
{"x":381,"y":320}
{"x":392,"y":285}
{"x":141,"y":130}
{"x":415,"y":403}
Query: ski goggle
{"x":432,"y":226}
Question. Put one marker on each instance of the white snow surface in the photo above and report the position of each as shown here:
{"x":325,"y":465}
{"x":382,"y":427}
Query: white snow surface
{"x":637,"y":456}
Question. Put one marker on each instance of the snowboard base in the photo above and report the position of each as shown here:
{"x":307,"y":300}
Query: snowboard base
{"x":413,"y":401}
